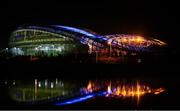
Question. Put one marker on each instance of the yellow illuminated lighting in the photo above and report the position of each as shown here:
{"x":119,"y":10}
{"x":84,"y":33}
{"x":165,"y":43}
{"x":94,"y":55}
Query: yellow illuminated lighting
{"x":158,"y":91}
{"x":138,"y":92}
{"x":139,"y":39}
{"x":133,"y":39}
{"x":160,"y":42}
{"x":124,"y":40}
{"x":109,"y":43}
{"x":123,"y":91}
{"x":109,"y":89}
{"x":126,"y":90}
{"x":89,"y":87}
{"x":132,"y":91}
{"x":118,"y":91}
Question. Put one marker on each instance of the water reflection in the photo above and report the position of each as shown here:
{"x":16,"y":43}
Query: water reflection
{"x":62,"y":92}
{"x":36,"y":90}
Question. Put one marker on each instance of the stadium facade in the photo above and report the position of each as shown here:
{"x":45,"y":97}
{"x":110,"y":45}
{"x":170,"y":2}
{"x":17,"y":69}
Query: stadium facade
{"x":58,"y":40}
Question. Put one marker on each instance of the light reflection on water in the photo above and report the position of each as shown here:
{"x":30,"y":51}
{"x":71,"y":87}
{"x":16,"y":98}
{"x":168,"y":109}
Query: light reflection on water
{"x":36,"y":90}
{"x":59,"y":91}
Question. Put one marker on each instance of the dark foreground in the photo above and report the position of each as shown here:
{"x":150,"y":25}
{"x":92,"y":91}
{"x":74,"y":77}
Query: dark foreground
{"x":161,"y":72}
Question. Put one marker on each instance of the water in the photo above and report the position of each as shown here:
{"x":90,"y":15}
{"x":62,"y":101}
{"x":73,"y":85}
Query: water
{"x":23,"y":85}
{"x":46,"y":93}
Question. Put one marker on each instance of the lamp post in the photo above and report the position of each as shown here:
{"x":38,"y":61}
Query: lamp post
{"x":110,"y":48}
{"x":35,"y":88}
{"x":96,"y":56}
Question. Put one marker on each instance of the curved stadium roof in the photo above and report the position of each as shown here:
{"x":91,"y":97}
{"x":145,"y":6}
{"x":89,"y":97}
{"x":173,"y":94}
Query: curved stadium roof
{"x":118,"y":41}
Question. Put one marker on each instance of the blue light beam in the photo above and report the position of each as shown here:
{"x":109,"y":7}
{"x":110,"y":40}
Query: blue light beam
{"x":76,"y":100}
{"x":77,"y":30}
{"x":80,"y":99}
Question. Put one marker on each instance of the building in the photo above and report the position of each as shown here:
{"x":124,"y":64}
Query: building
{"x":58,"y":40}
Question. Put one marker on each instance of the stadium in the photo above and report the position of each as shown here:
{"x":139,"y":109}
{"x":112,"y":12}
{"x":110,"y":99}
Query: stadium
{"x":59,"y":40}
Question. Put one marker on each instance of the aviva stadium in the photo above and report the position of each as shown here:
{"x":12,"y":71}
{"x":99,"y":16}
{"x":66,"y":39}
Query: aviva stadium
{"x":59,"y":40}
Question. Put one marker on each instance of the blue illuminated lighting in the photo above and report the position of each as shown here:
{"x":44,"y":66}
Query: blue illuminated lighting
{"x":102,"y":37}
{"x":80,"y":99}
{"x":77,"y":30}
{"x":75,"y":100}
{"x":102,"y":93}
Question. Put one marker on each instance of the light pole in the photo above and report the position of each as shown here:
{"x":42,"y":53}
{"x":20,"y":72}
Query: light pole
{"x":96,"y":56}
{"x":35,"y":88}
{"x":110,"y":48}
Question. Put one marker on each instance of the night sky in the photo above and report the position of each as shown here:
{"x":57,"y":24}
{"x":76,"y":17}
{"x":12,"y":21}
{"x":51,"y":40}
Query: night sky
{"x":155,"y":19}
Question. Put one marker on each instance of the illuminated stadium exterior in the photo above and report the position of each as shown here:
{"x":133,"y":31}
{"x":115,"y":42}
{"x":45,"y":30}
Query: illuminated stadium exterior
{"x":58,"y":40}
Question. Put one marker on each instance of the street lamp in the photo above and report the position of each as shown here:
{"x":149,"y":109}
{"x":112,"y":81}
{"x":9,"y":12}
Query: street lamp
{"x":96,"y":56}
{"x":110,"y":48}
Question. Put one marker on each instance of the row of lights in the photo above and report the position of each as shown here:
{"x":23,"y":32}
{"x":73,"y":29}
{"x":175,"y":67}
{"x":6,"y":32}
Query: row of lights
{"x":39,"y":84}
